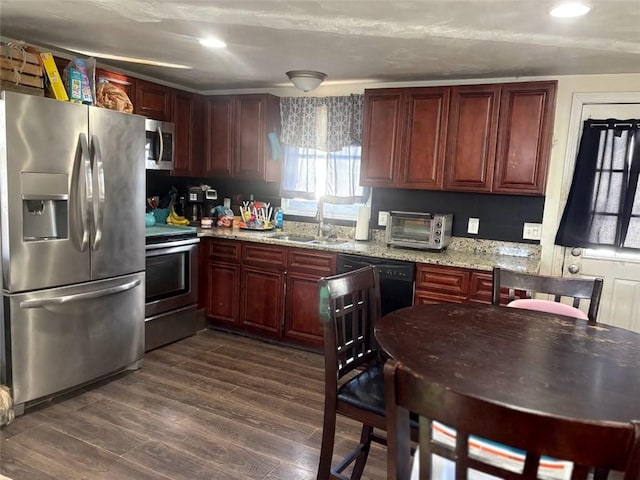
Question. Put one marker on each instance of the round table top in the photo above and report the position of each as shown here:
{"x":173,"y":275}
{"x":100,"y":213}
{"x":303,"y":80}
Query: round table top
{"x":552,"y":364}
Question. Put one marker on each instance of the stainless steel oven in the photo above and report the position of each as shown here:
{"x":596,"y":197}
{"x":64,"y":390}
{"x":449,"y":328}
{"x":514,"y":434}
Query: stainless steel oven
{"x":171,"y":290}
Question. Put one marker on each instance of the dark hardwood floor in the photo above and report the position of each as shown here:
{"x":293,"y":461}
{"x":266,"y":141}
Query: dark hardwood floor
{"x":212,"y":406}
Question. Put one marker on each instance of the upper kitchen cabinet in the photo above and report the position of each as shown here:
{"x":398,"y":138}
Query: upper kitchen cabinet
{"x":499,"y":138}
{"x":524,"y":137}
{"x":255,"y":117}
{"x":153,"y":101}
{"x":404,"y":136}
{"x":219,"y":135}
{"x":471,"y":139}
{"x":188,"y":117}
{"x":237,"y":142}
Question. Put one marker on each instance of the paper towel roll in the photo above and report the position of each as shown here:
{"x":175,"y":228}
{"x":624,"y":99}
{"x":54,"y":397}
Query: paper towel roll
{"x":362,"y":224}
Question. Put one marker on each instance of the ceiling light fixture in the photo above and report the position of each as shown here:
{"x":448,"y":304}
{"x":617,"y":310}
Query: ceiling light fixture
{"x":567,"y":10}
{"x":212,"y":43}
{"x":306,"y":80}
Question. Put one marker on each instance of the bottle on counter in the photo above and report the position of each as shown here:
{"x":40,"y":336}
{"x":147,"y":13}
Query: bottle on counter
{"x":278,"y":219}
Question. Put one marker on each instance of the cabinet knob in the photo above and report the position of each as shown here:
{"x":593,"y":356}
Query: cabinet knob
{"x":573,"y":268}
{"x":576,"y":251}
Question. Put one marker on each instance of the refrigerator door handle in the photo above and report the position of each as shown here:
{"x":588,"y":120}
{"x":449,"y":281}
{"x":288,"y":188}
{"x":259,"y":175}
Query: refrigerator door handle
{"x":87,"y":199}
{"x":45,"y":302}
{"x":161,"y":143}
{"x":98,"y":205}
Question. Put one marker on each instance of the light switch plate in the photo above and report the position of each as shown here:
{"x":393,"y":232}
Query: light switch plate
{"x":473,"y":226}
{"x":532,"y":231}
{"x":382,"y":218}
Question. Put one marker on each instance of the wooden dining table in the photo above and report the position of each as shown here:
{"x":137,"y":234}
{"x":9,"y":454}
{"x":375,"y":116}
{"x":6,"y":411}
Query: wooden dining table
{"x":551,"y":364}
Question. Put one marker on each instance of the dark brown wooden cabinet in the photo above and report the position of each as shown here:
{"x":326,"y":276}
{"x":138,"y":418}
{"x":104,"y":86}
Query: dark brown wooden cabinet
{"x":404,"y":133}
{"x":219,"y":135}
{"x":222,"y":288}
{"x":153,"y":100}
{"x":471,"y":140}
{"x":474,"y":138}
{"x":524,"y":137}
{"x":254,"y":117}
{"x":262,"y":288}
{"x":302,"y":314}
{"x":188,"y":120}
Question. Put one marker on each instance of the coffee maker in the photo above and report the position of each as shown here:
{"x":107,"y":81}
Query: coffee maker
{"x":195,"y":202}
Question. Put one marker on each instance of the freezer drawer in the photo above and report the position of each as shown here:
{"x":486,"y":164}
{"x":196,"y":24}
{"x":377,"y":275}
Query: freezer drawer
{"x":63,"y":337}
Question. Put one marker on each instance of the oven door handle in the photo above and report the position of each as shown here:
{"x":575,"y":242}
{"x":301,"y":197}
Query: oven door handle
{"x":179,"y":243}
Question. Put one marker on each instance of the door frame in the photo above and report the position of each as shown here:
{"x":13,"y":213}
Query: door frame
{"x":580,"y":99}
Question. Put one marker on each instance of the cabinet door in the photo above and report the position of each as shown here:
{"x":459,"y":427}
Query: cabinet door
{"x":302,"y":316}
{"x":123,"y":82}
{"x":183,"y":117}
{"x":471,"y":139}
{"x":422,"y":164}
{"x":436,"y":284}
{"x":219,"y":134}
{"x":261,"y":299}
{"x":481,"y":287}
{"x":250,"y":136}
{"x":223,"y":300}
{"x":381,"y":136}
{"x":524,"y":137}
{"x":153,"y":101}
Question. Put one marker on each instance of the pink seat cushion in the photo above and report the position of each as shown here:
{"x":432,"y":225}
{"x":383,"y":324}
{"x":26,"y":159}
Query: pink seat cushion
{"x":548,"y":306}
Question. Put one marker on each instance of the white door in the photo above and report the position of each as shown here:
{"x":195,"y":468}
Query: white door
{"x":620,"y":303}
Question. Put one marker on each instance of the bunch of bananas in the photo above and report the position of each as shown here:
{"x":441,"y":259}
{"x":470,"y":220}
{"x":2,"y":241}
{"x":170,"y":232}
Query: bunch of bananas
{"x":175,"y":219}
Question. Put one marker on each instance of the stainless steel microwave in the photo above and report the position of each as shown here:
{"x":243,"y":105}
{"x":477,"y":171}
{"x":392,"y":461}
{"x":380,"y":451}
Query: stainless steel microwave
{"x":159,"y":148}
{"x":425,"y":231}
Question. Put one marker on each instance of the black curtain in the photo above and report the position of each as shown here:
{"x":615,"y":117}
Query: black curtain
{"x":602,"y":209}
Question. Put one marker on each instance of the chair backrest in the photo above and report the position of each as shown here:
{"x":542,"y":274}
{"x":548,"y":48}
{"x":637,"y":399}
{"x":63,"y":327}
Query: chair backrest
{"x":349,"y":310}
{"x":601,"y":446}
{"x":575,"y":288}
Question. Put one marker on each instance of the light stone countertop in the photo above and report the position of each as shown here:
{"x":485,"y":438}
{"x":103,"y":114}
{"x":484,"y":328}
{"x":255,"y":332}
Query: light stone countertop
{"x":463,"y":253}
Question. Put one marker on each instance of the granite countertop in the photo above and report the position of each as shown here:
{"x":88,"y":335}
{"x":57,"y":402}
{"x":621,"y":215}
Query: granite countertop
{"x":474,"y":254}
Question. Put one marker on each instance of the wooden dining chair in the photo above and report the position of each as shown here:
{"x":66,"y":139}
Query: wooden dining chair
{"x":575,"y":288}
{"x":354,"y":386}
{"x":539,"y":439}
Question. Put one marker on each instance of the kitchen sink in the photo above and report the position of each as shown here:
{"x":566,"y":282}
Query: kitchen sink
{"x":290,"y":237}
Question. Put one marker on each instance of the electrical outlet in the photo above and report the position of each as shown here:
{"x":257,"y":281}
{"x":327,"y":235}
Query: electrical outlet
{"x":532,"y":231}
{"x":473,"y":226}
{"x":382,"y":218}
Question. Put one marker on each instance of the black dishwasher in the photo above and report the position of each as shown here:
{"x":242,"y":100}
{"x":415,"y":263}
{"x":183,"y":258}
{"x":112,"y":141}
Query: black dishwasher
{"x":396,"y":279}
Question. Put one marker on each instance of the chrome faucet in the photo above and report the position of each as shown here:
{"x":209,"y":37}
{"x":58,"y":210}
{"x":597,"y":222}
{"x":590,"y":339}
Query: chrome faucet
{"x":324,"y":230}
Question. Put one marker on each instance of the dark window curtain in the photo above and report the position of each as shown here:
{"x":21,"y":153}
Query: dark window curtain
{"x":603,"y":207}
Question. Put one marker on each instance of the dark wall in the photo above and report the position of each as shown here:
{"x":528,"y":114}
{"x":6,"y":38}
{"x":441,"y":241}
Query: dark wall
{"x":501,"y":216}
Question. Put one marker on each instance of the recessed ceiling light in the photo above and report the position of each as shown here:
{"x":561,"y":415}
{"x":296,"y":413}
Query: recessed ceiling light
{"x":212,"y":43}
{"x":566,"y":10}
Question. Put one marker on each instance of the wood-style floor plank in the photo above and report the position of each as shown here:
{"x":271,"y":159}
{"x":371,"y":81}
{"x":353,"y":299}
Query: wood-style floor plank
{"x":212,"y":406}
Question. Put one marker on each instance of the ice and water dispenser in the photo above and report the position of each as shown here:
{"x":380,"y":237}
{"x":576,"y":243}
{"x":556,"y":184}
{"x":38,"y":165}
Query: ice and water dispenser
{"x":45,"y":206}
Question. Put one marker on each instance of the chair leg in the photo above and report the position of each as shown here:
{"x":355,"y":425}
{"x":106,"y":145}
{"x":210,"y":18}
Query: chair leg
{"x":326,"y":449}
{"x":365,"y":445}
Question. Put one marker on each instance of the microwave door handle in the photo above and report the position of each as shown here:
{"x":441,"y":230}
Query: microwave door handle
{"x":98,"y":204}
{"x":86,"y":197}
{"x":160,"y":144}
{"x":45,"y":302}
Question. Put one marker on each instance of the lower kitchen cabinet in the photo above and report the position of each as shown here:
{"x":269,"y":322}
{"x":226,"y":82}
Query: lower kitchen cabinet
{"x":437,"y":284}
{"x":266,"y":290}
{"x":302,"y":312}
{"x":223,"y":302}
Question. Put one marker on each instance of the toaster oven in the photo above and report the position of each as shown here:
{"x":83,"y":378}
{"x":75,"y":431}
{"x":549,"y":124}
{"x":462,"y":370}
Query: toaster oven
{"x":425,"y":231}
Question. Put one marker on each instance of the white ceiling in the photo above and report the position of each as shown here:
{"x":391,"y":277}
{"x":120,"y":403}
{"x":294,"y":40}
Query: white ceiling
{"x":350,"y":40}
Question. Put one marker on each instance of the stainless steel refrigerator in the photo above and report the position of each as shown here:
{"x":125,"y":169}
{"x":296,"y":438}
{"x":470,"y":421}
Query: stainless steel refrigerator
{"x":72,"y":188}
